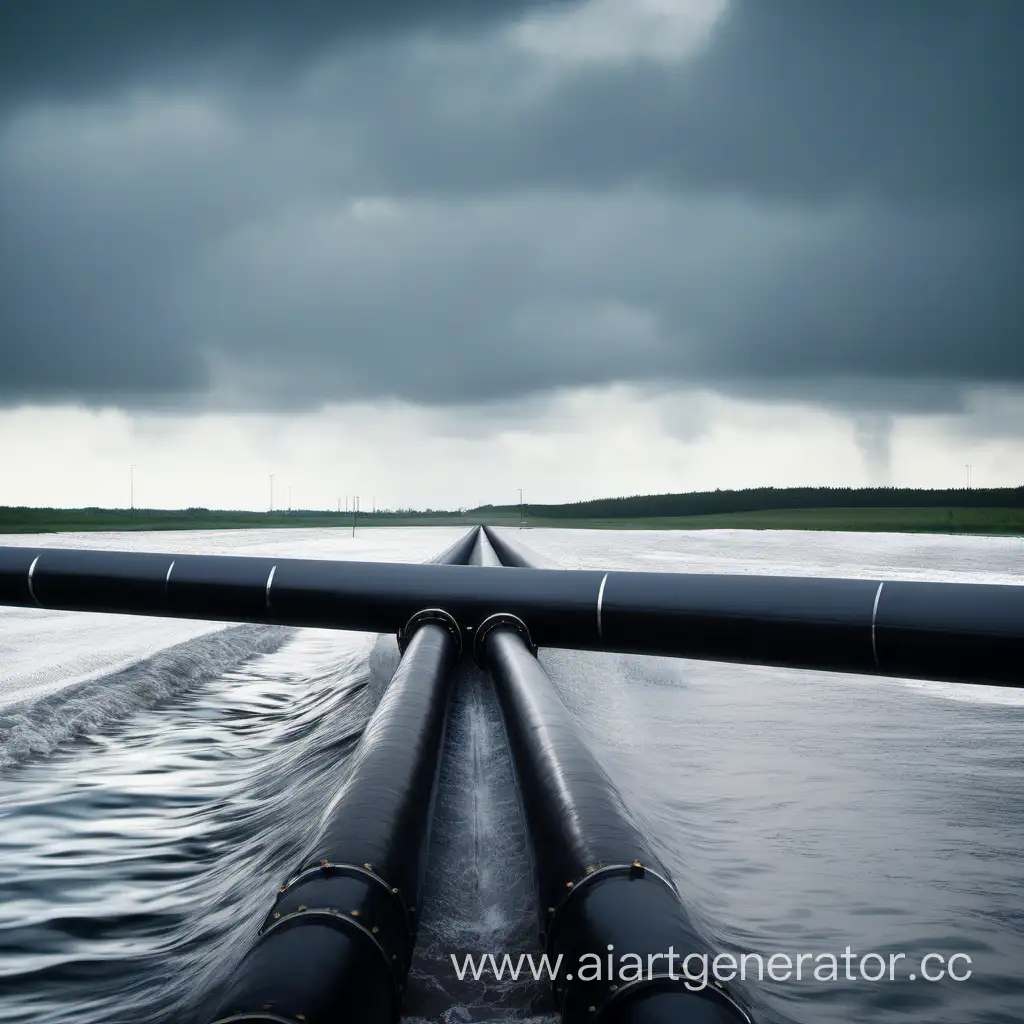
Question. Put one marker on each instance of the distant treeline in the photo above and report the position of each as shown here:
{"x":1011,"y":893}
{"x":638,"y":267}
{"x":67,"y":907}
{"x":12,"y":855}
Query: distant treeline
{"x":19,"y":512}
{"x":758,"y":499}
{"x":15,"y":519}
{"x":638,"y":507}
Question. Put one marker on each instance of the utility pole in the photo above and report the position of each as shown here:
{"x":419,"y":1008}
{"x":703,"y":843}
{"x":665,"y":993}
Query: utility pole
{"x":968,"y":467}
{"x":355,"y":506}
{"x":132,"y":490}
{"x":271,"y":492}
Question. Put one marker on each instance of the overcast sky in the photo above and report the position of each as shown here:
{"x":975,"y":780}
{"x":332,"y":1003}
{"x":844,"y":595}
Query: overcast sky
{"x":432,"y":251}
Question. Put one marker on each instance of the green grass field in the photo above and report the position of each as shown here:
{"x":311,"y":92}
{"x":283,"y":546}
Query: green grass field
{"x":1005,"y":521}
{"x":48,"y":520}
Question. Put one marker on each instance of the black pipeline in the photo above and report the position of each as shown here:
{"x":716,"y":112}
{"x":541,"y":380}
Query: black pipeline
{"x":338,"y":941}
{"x":602,"y":891}
{"x":483,"y":553}
{"x":972,"y":633}
{"x":459,"y":553}
{"x":513,"y":555}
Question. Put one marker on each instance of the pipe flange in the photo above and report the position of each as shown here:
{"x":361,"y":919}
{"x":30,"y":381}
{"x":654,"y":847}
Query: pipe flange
{"x":713,"y":992}
{"x":439,"y":617}
{"x":327,"y":867}
{"x":257,"y":1016}
{"x":500,"y":619}
{"x":334,"y":918}
{"x":634,"y":870}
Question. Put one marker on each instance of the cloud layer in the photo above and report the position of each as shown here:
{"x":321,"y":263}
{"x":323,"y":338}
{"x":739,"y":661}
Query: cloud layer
{"x":463,"y":202}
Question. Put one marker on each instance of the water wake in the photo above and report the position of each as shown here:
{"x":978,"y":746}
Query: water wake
{"x":37,"y":726}
{"x":150,"y":846}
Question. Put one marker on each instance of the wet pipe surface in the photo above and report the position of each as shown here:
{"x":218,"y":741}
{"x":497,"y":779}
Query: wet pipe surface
{"x":338,"y":941}
{"x":953,"y":632}
{"x":339,"y":938}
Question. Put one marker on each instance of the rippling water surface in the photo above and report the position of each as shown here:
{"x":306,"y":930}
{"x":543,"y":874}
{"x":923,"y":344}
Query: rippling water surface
{"x":159,"y":778}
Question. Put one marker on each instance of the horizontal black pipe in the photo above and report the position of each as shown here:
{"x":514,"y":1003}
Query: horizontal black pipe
{"x":922,"y":630}
{"x":603,"y":893}
{"x":375,"y":597}
{"x":957,"y":632}
{"x":338,"y":940}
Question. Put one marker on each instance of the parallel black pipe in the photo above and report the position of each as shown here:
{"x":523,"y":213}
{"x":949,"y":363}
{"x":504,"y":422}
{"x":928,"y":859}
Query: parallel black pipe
{"x":337,"y":943}
{"x":461,"y":551}
{"x":957,"y":632}
{"x":483,"y":553}
{"x":610,"y":916}
{"x":512,"y":554}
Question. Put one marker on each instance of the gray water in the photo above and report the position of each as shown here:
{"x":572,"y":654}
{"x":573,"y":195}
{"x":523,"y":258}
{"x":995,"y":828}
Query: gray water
{"x":159,"y":778}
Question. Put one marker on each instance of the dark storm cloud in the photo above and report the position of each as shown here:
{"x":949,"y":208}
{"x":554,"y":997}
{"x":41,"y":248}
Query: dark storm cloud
{"x":905,"y":97}
{"x":824,"y":204}
{"x":801,"y":100}
{"x":54,"y":47}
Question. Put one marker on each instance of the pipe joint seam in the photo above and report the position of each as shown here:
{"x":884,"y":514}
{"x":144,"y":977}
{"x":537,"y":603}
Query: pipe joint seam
{"x":635,"y":870}
{"x":326,"y":867}
{"x":335,"y":918}
{"x":263,"y":1017}
{"x":503,"y":620}
{"x":714,"y":991}
{"x":439,"y":617}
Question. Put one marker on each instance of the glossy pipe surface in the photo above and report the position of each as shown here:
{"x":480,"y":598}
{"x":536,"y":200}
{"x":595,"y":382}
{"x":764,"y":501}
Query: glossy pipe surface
{"x":459,"y":553}
{"x":599,"y":884}
{"x":483,"y":552}
{"x":971,"y":633}
{"x":338,"y":941}
{"x":512,"y":554}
